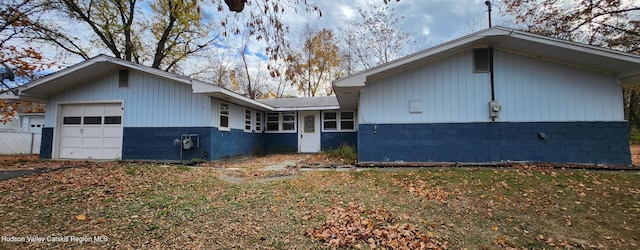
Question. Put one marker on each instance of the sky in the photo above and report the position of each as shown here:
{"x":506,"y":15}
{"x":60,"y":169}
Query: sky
{"x":432,"y":22}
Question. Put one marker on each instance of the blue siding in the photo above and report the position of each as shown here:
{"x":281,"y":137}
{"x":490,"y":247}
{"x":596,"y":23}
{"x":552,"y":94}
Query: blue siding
{"x":152,"y":143}
{"x":225,"y":144}
{"x":280,"y":142}
{"x":157,"y":143}
{"x":46,"y":143}
{"x":578,"y":142}
{"x":329,"y":140}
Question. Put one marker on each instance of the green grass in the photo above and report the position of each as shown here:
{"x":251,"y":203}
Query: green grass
{"x":149,"y":207}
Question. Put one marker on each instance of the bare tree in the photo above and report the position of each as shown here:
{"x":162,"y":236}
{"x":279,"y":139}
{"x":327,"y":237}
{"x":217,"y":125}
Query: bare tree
{"x":374,"y":38}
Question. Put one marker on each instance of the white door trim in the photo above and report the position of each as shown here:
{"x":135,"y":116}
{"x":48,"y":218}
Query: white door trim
{"x":102,"y":128}
{"x":309,"y":142}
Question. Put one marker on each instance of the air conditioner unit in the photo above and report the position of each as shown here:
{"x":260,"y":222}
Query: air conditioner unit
{"x":494,"y":109}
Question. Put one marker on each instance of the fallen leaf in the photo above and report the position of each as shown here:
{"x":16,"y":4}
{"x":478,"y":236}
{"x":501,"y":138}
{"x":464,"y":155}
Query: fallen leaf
{"x":81,"y":217}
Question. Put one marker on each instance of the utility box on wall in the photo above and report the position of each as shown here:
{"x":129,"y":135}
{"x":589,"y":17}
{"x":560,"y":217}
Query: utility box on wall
{"x":494,"y":109}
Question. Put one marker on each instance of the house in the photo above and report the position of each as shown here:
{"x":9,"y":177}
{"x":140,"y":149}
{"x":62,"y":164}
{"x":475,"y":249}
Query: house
{"x":24,"y":123}
{"x":107,"y":108}
{"x":495,"y":95}
{"x":21,"y":135}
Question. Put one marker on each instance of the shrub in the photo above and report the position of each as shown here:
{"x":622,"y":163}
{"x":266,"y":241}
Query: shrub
{"x":345,"y":152}
{"x":634,"y":136}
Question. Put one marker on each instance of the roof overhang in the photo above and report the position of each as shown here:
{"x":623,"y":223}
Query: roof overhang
{"x":80,"y":73}
{"x":624,"y":66}
{"x":227,"y":95}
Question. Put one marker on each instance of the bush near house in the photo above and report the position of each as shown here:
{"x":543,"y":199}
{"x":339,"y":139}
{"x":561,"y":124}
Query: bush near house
{"x":347,"y":153}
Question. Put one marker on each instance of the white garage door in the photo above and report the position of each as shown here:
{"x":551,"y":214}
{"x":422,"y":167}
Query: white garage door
{"x":91,"y":131}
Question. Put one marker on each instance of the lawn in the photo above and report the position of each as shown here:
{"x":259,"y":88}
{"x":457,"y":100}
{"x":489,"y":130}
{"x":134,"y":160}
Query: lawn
{"x":128,"y":205}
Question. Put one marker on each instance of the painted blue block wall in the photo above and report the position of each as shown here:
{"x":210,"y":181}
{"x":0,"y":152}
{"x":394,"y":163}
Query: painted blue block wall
{"x":329,"y":140}
{"x":46,"y":143}
{"x":280,"y":142}
{"x":153,"y":143}
{"x":579,"y":142}
{"x":226,"y":144}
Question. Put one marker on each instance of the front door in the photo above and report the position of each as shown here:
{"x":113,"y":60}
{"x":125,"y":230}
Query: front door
{"x":309,"y":132}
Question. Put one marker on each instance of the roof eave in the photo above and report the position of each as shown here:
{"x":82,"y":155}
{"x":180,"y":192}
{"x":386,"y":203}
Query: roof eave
{"x":199,"y":87}
{"x":311,"y":108}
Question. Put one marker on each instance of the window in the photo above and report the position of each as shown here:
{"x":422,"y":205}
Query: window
{"x":347,"y":121}
{"x":258,"y":122}
{"x":281,"y":122}
{"x":288,"y":121}
{"x":247,"y":120}
{"x":224,"y":116}
{"x":272,"y":122}
{"x":330,"y":120}
{"x":72,"y":120}
{"x":112,"y":119}
{"x":481,"y":61}
{"x":338,"y":121}
{"x":92,"y":120}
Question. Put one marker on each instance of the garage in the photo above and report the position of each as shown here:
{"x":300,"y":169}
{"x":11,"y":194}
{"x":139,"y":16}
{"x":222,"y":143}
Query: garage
{"x":90,"y":131}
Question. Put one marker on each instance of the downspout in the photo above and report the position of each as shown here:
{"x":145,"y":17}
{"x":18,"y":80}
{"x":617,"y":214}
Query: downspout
{"x":491,"y":78}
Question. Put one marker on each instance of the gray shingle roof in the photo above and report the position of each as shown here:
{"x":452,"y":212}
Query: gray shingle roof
{"x":301,"y":102}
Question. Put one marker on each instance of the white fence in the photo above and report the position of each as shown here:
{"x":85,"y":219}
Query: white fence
{"x":19,"y":143}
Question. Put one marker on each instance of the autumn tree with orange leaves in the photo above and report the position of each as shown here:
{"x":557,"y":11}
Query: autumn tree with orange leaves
{"x":312,"y":68}
{"x":24,"y":62}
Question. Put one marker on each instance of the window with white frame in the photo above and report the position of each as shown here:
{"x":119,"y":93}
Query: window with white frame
{"x":288,"y":121}
{"x":330,"y":120}
{"x":224,"y":116}
{"x":281,"y":122}
{"x":258,"y":122}
{"x":273,"y":122}
{"x":247,"y":120}
{"x":338,"y":121}
{"x":347,"y":120}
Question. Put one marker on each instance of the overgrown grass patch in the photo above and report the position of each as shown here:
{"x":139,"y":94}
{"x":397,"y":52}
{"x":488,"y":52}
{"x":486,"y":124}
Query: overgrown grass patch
{"x":179,"y":207}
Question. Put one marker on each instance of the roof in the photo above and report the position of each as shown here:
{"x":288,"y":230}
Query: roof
{"x":302,"y":103}
{"x":84,"y":71}
{"x":625,"y":66}
{"x":95,"y":67}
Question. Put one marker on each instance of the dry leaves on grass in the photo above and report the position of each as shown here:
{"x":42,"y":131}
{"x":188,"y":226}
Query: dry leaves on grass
{"x":356,"y":226}
{"x":22,"y":162}
{"x":421,"y":189}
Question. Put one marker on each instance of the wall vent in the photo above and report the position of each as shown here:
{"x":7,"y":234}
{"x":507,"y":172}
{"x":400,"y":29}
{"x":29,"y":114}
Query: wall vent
{"x":123,"y":77}
{"x":481,"y":63}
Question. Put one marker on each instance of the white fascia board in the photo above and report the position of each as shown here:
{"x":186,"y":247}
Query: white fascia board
{"x":65,"y":71}
{"x":631,"y":79}
{"x":335,"y":107}
{"x":149,"y":70}
{"x":8,"y":95}
{"x":104,"y":58}
{"x":199,"y":87}
{"x":359,"y":79}
{"x":570,"y":45}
